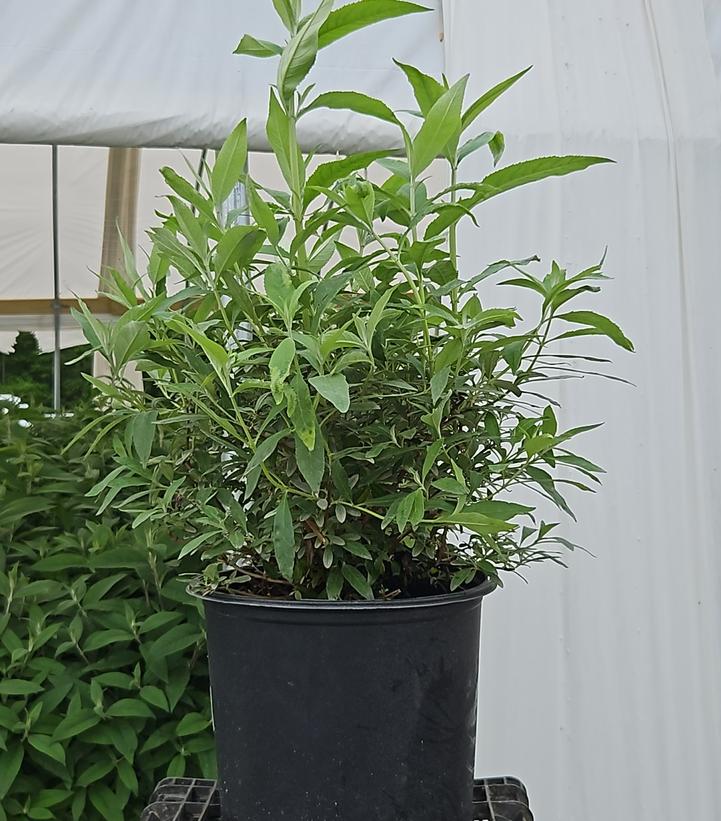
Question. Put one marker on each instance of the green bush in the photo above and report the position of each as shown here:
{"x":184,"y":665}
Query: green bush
{"x":103,"y":679}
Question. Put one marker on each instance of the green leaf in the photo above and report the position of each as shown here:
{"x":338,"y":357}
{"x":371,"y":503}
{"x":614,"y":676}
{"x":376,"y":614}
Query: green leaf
{"x":427,"y":90}
{"x":95,"y":772}
{"x":600,"y":324}
{"x":449,"y":485}
{"x":497,"y":146}
{"x":229,"y":164}
{"x":284,"y":539}
{"x":191,"y":724}
{"x":278,"y":286}
{"x":258,"y":48}
{"x":528,"y":171}
{"x":358,"y":15}
{"x":216,"y":353}
{"x":357,"y":581}
{"x":311,"y":463}
{"x":15,"y":511}
{"x":286,"y":150}
{"x":158,"y":620}
{"x":303,"y":415}
{"x":261,"y":212}
{"x":75,"y":724}
{"x":476,"y":522}
{"x":281,"y":362}
{"x":265,"y":449}
{"x":288,"y":11}
{"x":10,"y":762}
{"x":142,"y":430}
{"x":299,"y":55}
{"x":45,"y":745}
{"x":237,"y":246}
{"x":334,"y":388}
{"x":438,"y":383}
{"x":127,"y":776}
{"x":18,"y":687}
{"x":106,"y":802}
{"x":176,"y":639}
{"x":190,"y":227}
{"x":377,"y":314}
{"x":496,"y":509}
{"x":129,"y":708}
{"x":334,"y":584}
{"x":104,"y":638}
{"x":441,"y":125}
{"x":326,"y":174}
{"x":473,"y":145}
{"x":354,"y":101}
{"x":482,"y":103}
{"x":357,"y":549}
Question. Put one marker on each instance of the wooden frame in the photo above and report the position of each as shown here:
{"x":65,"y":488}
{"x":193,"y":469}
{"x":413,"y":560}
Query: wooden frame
{"x":44,"y":307}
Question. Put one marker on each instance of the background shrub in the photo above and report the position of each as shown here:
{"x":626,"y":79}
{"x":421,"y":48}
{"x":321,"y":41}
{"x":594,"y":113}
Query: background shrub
{"x":103,"y":677}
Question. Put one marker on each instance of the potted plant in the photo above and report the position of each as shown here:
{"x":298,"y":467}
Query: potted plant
{"x":346,"y":422}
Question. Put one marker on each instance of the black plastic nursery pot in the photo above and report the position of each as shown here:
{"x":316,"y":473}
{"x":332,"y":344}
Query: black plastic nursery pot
{"x":359,"y":711}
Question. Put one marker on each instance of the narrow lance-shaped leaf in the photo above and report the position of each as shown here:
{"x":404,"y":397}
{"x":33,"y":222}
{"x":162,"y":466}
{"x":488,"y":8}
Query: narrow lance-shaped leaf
{"x":284,"y":539}
{"x":426,"y":89}
{"x":482,"y":103}
{"x":598,"y":324}
{"x":357,"y":581}
{"x":229,"y":164}
{"x":280,"y":365}
{"x":528,"y":171}
{"x":506,"y":179}
{"x":300,"y":53}
{"x":286,"y":150}
{"x":354,"y":101}
{"x":440,"y":126}
{"x":237,"y":246}
{"x":143,"y":433}
{"x":187,"y":191}
{"x":288,"y":11}
{"x":264,"y":450}
{"x":261,"y":212}
{"x":302,"y":414}
{"x":311,"y":463}
{"x":358,"y":15}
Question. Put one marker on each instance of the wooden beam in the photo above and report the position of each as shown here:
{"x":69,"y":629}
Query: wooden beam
{"x":44,"y":307}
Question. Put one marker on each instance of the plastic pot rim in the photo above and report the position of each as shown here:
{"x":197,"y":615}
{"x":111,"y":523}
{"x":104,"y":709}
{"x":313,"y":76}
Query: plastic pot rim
{"x":476,"y":592}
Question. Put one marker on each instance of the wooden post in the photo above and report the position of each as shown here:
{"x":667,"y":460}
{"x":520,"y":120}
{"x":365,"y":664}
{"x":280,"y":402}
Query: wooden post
{"x":121,"y":213}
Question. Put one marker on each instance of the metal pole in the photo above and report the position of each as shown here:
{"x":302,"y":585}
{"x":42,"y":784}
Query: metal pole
{"x":56,"y":284}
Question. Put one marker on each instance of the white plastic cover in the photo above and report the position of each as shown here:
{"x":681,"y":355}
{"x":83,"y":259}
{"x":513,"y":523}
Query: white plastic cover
{"x":163,"y":73}
{"x":600,"y":684}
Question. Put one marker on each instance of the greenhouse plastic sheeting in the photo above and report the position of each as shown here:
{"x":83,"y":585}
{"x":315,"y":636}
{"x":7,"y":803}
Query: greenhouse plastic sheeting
{"x":136,"y":73}
{"x":600,"y":684}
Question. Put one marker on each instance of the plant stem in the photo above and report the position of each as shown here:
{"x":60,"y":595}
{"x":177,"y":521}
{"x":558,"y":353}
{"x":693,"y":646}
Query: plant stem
{"x":453,"y":236}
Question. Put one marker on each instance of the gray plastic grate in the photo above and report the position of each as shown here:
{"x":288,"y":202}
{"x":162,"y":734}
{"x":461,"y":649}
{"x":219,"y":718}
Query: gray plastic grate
{"x":196,"y":799}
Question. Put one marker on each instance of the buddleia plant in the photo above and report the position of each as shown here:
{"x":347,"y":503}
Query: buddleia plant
{"x":345,"y":416}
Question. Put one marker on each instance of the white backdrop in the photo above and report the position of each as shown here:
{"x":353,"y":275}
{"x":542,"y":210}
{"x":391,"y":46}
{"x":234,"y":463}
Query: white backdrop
{"x":601,"y":684}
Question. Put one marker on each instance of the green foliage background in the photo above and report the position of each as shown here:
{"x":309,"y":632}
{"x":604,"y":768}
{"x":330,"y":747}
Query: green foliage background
{"x":103,"y":679}
{"x":26,"y":372}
